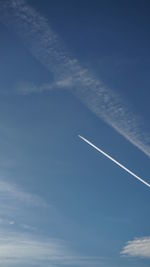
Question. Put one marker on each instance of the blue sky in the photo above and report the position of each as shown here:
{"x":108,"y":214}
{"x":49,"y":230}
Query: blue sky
{"x":69,"y":68}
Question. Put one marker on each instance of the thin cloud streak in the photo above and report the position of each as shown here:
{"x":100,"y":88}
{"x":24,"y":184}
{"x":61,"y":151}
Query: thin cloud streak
{"x":29,"y":88}
{"x":46,"y":46}
{"x":18,"y":207}
{"x":139,"y":247}
{"x":10,"y":192}
{"x":115,"y":161}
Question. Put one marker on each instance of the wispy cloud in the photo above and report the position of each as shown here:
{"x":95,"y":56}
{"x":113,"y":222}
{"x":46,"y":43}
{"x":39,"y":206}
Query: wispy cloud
{"x":19,"y":208}
{"x":139,"y":247}
{"x":46,"y":46}
{"x":17,"y":249}
{"x":26,"y":88}
{"x":10,"y":192}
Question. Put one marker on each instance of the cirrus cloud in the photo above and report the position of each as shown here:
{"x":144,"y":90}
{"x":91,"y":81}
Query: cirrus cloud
{"x":47,"y":47}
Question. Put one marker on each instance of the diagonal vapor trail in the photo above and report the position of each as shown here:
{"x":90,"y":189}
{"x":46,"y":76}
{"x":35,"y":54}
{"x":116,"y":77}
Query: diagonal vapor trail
{"x":68,"y":73}
{"x":115,"y":161}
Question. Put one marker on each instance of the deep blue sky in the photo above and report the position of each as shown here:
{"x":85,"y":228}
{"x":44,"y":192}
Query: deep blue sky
{"x":95,"y":207}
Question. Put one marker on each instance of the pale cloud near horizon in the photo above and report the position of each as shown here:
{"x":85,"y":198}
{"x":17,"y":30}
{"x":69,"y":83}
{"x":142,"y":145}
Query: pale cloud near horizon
{"x":68,"y":73}
{"x":18,"y":245}
{"x":139,"y":247}
{"x":19,"y":249}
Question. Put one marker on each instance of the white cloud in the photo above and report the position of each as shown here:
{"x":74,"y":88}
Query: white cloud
{"x":17,"y":249}
{"x":45,"y":45}
{"x":139,"y":247}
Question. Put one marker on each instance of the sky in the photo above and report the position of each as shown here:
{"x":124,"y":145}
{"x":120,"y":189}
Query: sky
{"x":72,"y":68}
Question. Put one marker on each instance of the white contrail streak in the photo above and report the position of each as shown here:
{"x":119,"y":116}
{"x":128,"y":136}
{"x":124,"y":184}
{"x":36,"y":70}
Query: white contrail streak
{"x":115,"y":161}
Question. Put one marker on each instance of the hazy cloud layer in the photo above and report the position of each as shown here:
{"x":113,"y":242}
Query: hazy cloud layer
{"x":139,"y":247}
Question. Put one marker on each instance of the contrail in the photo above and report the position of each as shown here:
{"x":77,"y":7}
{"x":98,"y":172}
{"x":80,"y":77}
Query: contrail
{"x":115,"y":161}
{"x":68,"y":73}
